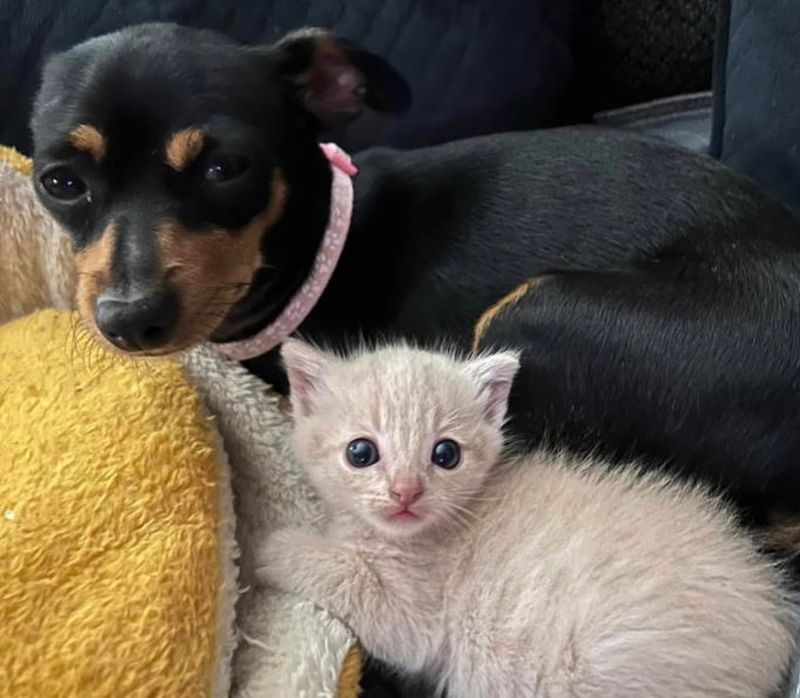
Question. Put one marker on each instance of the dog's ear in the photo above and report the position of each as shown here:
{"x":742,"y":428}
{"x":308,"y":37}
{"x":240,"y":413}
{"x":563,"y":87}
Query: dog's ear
{"x":334,"y":79}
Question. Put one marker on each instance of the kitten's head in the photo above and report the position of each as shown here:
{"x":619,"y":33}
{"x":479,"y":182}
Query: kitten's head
{"x":403,"y":438}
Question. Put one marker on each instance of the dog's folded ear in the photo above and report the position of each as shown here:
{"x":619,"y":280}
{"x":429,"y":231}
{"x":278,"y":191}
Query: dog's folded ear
{"x":334,"y":79}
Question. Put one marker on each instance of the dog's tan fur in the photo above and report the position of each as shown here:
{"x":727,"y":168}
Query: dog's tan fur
{"x":784,"y":535}
{"x":90,"y":140}
{"x":506,"y":302}
{"x":94,"y":271}
{"x":183,"y":148}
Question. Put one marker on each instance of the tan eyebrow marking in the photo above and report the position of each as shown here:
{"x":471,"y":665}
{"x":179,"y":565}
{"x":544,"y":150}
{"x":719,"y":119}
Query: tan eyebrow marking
{"x":88,"y":139}
{"x":183,"y":147}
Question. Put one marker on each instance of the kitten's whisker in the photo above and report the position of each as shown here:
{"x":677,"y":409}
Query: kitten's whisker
{"x":455,"y":518}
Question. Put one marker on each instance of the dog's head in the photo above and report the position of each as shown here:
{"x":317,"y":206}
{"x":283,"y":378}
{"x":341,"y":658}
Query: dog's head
{"x":186,"y":171}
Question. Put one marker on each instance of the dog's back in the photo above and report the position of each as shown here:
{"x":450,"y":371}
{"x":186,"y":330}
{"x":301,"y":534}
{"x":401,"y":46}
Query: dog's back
{"x":441,"y":233}
{"x":655,"y":292}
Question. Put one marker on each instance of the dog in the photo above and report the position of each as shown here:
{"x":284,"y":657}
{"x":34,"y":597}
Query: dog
{"x":654,"y":293}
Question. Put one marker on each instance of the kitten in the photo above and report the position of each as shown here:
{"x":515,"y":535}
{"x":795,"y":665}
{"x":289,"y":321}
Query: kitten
{"x":544,"y":576}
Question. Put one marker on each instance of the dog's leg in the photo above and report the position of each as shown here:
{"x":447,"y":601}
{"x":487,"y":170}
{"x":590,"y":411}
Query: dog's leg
{"x":690,"y":367}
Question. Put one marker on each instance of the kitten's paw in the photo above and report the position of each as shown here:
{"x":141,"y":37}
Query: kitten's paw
{"x":280,"y":554}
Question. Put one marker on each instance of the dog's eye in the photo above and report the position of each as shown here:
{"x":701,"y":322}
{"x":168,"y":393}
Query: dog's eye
{"x":361,"y":453}
{"x":63,"y":184}
{"x":446,"y":454}
{"x":225,"y":169}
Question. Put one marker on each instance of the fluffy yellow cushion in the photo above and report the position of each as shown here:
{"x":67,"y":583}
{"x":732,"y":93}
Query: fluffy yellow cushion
{"x":109,"y":519}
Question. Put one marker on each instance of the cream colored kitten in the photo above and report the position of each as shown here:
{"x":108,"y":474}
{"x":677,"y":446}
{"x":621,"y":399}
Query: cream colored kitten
{"x":543,"y":577}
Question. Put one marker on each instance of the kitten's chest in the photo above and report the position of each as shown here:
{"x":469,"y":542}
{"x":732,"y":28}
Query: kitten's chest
{"x":416,"y":582}
{"x":412,"y":628}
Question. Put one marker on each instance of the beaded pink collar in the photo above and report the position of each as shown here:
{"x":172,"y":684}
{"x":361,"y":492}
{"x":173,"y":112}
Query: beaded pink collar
{"x":330,"y":250}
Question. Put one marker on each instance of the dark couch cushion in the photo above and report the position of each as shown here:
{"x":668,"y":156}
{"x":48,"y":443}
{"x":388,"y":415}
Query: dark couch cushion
{"x":684,"y":120}
{"x":650,"y":49}
{"x":757,"y":105}
{"x":474,"y":66}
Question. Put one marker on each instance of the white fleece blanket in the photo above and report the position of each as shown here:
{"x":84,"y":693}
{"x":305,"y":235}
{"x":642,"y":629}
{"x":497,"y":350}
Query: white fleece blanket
{"x":287,"y":647}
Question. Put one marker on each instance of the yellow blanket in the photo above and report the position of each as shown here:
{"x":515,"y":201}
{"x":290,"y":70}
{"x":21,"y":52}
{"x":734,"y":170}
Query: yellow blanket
{"x":109,"y":497}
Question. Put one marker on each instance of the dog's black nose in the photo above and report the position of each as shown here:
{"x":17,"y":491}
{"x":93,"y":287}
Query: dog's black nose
{"x":136,"y":324}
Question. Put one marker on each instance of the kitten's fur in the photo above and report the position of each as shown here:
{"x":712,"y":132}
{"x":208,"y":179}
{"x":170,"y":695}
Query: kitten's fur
{"x":543,"y":577}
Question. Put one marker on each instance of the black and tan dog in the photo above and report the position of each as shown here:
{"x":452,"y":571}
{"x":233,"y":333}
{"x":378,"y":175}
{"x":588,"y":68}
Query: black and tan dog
{"x":656,"y":294}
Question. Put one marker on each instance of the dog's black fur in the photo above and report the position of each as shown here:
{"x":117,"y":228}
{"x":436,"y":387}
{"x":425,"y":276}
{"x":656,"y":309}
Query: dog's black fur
{"x":663,"y":318}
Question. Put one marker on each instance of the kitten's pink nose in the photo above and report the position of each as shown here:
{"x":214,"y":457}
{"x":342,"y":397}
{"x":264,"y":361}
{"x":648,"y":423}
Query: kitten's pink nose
{"x":405,"y":494}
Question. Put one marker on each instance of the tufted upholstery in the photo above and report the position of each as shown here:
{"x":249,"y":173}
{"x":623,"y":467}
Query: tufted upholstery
{"x":652,"y":49}
{"x":474,"y":65}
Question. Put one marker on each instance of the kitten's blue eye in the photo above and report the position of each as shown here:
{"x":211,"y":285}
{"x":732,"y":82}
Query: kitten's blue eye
{"x":362,"y":453}
{"x":446,"y":454}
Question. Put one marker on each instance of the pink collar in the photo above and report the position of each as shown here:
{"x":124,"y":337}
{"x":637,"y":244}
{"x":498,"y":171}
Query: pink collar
{"x":328,"y":254}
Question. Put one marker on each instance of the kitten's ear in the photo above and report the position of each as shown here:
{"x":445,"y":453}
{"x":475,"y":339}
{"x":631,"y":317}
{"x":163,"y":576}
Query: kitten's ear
{"x":494,"y":375}
{"x":305,"y":367}
{"x":334,"y":79}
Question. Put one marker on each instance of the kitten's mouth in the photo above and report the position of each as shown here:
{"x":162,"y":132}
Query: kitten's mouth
{"x":404,"y":516}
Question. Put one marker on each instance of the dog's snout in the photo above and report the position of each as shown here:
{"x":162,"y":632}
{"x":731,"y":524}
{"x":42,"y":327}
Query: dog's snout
{"x":145,"y":322}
